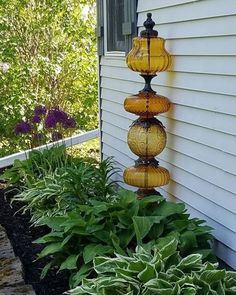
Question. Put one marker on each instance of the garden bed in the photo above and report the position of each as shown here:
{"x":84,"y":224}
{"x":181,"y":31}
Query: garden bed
{"x":91,"y":222}
{"x":21,"y":236}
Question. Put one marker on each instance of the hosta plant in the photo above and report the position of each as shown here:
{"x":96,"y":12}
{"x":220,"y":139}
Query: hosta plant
{"x":161,"y":271}
{"x":118,"y":225}
{"x":62,"y":189}
{"x":37,"y":166}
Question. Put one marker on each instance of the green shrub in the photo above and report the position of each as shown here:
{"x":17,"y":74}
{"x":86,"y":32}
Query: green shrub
{"x":41,"y":163}
{"x":63,"y":189}
{"x":161,"y":272}
{"x":118,"y":225}
{"x":37,"y":165}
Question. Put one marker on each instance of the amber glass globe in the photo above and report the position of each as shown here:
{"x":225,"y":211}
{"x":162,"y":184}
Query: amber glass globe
{"x":147,"y":104}
{"x":146,"y":177}
{"x":147,"y":142}
{"x":148,"y":56}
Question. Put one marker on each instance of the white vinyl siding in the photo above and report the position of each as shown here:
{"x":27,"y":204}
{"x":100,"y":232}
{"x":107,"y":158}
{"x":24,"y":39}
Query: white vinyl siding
{"x":201,"y":125}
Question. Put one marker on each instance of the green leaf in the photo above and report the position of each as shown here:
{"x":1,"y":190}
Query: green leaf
{"x":45,"y":270}
{"x":190,"y":262}
{"x":150,"y":200}
{"x":187,"y":241}
{"x":212,"y":276}
{"x":147,"y":274}
{"x":136,"y":266}
{"x":167,"y":246}
{"x":189,"y":291}
{"x":126,"y":237}
{"x":66,"y":240}
{"x":80,"y":275}
{"x":126,"y":197}
{"x":102,"y":235}
{"x":204,"y":252}
{"x":169,"y":208}
{"x":50,"y":249}
{"x":116,"y":243}
{"x":105,"y":264}
{"x":51,"y":237}
{"x":158,"y":283}
{"x":143,"y":224}
{"x":53,"y":222}
{"x":93,"y":250}
{"x":70,"y":262}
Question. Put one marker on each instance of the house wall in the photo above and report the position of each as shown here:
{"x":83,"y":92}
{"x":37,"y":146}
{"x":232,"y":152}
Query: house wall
{"x":201,"y":125}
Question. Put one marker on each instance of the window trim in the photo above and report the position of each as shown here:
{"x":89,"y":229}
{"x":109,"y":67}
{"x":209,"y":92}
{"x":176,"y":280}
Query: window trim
{"x":106,"y":52}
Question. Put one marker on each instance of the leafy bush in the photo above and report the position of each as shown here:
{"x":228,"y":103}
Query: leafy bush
{"x":37,"y":166}
{"x":161,"y":272}
{"x":47,"y":56}
{"x":118,"y":225}
{"x":66,"y":187}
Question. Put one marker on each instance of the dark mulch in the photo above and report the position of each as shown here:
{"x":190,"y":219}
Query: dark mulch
{"x":21,"y":235}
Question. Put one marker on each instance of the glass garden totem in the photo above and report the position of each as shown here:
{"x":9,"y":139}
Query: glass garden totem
{"x":147,"y":136}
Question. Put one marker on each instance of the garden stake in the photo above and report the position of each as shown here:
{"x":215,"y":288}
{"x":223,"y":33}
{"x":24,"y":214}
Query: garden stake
{"x":147,"y":137}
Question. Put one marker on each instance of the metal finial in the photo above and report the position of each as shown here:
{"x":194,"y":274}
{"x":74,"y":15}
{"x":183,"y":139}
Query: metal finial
{"x":149,"y":24}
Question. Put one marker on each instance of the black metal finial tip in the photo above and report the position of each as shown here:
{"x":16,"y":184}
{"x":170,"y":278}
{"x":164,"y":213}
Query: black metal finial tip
{"x":149,"y":24}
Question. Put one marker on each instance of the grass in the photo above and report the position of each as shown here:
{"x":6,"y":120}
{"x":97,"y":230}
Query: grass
{"x":89,"y":148}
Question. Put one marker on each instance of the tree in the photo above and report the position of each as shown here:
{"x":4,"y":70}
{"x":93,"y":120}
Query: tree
{"x":48,"y":56}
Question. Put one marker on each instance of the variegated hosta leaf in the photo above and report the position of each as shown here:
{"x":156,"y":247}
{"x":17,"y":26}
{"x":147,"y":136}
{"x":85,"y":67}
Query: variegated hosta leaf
{"x":192,"y":261}
{"x":166,"y":247}
{"x":212,"y":276}
{"x":140,"y":274}
{"x":189,"y":291}
{"x":157,"y":284}
{"x":148,"y":273}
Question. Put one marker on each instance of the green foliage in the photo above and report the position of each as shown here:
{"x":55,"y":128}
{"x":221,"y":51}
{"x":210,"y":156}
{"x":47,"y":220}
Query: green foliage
{"x":160,"y":271}
{"x":89,"y":148}
{"x":54,"y":182}
{"x":118,"y":225}
{"x":37,"y":165}
{"x":67,"y":187}
{"x":50,"y":47}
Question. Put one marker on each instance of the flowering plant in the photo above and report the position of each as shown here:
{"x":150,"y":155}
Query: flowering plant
{"x":46,"y":124}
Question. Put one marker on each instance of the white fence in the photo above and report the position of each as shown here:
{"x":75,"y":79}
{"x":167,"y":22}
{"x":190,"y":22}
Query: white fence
{"x":70,"y":141}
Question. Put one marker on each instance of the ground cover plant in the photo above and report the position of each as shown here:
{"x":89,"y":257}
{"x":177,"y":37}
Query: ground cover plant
{"x":37,"y":165}
{"x":117,"y":225}
{"x":53,"y":182}
{"x":66,"y":187}
{"x":159,"y":271}
{"x":86,"y":217}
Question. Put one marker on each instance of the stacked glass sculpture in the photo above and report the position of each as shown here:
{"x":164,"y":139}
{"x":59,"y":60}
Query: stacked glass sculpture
{"x":147,"y":136}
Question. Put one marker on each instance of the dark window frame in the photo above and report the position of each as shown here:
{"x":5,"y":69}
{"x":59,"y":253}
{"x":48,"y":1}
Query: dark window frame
{"x":115,"y":17}
{"x":128,"y":28}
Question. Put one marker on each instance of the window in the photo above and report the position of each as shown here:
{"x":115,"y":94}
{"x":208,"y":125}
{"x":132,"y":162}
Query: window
{"x":114,"y":20}
{"x":116,"y":26}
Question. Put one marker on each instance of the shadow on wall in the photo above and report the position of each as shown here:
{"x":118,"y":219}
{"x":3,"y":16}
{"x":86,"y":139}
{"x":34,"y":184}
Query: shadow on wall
{"x":170,"y":126}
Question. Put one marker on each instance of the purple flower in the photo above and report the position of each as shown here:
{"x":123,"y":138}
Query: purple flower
{"x":23,"y":128}
{"x":69,"y":123}
{"x":36,"y":119}
{"x":40,"y":110}
{"x":56,"y":136}
{"x":60,"y":116}
{"x":50,"y":121}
